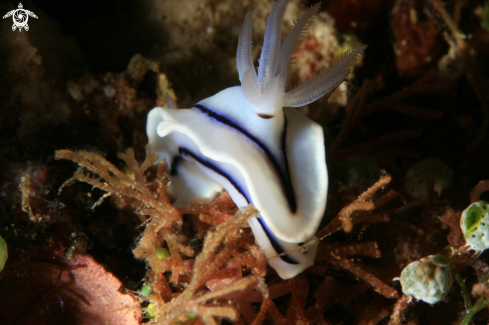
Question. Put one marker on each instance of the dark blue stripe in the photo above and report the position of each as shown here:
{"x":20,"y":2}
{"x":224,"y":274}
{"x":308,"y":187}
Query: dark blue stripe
{"x":207,"y":164}
{"x":287,"y":172}
{"x":284,"y":179}
{"x":286,"y":258}
{"x":185,"y":151}
{"x":174,"y":165}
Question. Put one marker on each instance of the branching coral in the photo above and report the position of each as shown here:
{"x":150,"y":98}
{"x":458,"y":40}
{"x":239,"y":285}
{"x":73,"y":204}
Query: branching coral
{"x":358,"y":108}
{"x":481,"y":187}
{"x":461,"y":50}
{"x":150,"y":199}
{"x":207,"y":266}
{"x":36,"y":199}
{"x":348,"y":216}
{"x":225,"y":248}
{"x":397,"y":316}
{"x":298,"y":287}
{"x":330,"y":256}
{"x":359,"y":211}
{"x":30,"y":189}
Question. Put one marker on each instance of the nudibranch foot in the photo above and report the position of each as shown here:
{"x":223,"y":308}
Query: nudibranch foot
{"x":252,"y":142}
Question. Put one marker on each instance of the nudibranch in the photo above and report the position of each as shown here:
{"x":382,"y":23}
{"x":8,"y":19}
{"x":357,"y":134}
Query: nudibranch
{"x":252,"y":141}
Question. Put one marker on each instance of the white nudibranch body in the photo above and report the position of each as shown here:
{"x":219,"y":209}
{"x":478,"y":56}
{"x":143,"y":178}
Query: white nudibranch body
{"x":251,"y":141}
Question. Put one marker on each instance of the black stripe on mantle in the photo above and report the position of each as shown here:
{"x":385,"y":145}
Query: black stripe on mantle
{"x":284,"y":179}
{"x":278,"y":249}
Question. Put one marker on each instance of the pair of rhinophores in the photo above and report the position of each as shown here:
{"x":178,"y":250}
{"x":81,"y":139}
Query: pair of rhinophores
{"x":251,"y":141}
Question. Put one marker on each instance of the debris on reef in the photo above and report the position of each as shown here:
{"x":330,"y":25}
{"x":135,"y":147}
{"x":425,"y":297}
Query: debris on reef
{"x":117,"y":96}
{"x":418,"y":37}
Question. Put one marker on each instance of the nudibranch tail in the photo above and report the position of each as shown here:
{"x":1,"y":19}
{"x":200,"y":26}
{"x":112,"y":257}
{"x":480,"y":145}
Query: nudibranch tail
{"x":323,"y":83}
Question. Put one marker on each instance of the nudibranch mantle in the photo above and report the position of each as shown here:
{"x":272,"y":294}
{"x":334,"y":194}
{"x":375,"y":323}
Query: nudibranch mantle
{"x":251,"y":141}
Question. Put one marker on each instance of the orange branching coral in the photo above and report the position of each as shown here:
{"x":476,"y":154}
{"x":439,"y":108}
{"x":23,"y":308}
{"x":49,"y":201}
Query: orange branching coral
{"x":220,"y":210}
{"x":337,"y":257}
{"x":115,"y":182}
{"x":331,"y":292}
{"x":298,"y":287}
{"x":34,"y":193}
{"x":350,"y":214}
{"x":218,"y":266}
{"x":397,"y":316}
{"x":195,"y":300}
{"x":133,"y":188}
{"x":360,"y":210}
{"x":379,"y":286}
{"x":361,"y":203}
{"x":213,"y":286}
{"x":481,"y":187}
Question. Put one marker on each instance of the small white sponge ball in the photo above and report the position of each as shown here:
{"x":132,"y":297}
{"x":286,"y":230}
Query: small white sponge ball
{"x":417,"y":176}
{"x":475,"y":226}
{"x":427,"y":279}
